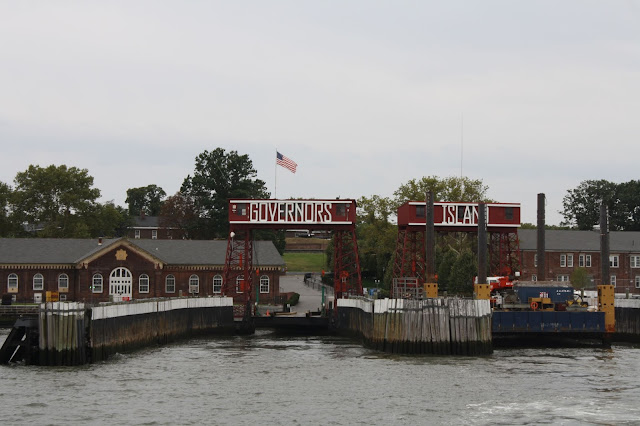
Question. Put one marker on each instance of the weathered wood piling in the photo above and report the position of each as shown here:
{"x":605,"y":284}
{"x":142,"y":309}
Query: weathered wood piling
{"x":61,"y":331}
{"x":439,"y":326}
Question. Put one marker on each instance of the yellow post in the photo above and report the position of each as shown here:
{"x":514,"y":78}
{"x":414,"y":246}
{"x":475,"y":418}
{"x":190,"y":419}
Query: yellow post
{"x":431,"y":290}
{"x":482,"y":291}
{"x":606,"y":297}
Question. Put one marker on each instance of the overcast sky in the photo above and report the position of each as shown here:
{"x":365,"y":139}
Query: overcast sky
{"x":530,"y":96}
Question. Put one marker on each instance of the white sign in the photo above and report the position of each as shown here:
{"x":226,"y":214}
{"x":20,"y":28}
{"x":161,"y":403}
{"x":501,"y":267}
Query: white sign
{"x":450,"y":214}
{"x":291,"y":211}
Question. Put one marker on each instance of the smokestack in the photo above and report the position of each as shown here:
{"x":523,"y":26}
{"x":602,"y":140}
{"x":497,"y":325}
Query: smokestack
{"x":482,"y":244}
{"x":542,"y":270}
{"x":604,"y":244}
{"x":99,"y":241}
{"x":430,"y":242}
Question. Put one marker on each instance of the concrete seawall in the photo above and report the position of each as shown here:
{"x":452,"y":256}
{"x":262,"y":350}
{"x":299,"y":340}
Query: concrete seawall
{"x":70,"y":334}
{"x":627,"y":313}
{"x":432,"y":326}
{"x":120,"y":328}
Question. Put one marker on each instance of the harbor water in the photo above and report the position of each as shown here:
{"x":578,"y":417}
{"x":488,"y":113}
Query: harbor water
{"x":271,"y":379}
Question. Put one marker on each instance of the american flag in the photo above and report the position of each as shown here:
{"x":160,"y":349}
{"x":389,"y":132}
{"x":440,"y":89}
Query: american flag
{"x":285,"y":162}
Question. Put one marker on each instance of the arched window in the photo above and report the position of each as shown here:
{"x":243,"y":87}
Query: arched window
{"x":38,"y":282}
{"x":217,"y":284}
{"x":240,"y":284}
{"x":63,"y":282}
{"x":143,"y":283}
{"x":12,"y":283}
{"x":264,"y":284}
{"x":170,"y":284}
{"x":194,"y":284}
{"x":96,"y":283}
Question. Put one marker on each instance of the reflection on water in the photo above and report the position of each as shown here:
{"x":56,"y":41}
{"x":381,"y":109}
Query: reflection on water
{"x":268,"y":378}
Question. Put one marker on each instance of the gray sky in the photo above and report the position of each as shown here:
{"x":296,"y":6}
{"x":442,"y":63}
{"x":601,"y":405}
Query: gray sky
{"x":530,"y":97}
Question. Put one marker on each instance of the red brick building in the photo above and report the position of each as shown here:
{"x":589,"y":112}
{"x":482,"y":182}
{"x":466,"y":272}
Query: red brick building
{"x":114,"y":269}
{"x":149,"y":227}
{"x":567,"y":250}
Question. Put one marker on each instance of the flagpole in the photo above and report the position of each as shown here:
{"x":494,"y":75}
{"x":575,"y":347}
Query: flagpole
{"x":275,"y":190}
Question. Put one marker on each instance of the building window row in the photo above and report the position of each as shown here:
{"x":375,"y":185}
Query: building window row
{"x":38,"y":282}
{"x":584,"y":261}
{"x":97,"y":283}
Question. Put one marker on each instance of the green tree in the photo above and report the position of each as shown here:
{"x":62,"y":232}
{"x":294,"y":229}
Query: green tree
{"x":625,"y":215}
{"x":179,"y":211}
{"x":218,"y":177}
{"x":376,"y":237}
{"x":55,"y":198}
{"x":581,"y":206}
{"x":580,"y":278}
{"x":7,"y":224}
{"x":444,"y":189}
{"x":107,"y":220}
{"x":462,"y":273}
{"x":145,"y":199}
{"x":444,"y":268}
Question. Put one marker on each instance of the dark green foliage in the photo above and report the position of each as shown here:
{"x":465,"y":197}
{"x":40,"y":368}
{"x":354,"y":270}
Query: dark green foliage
{"x":218,"y":177}
{"x":462,"y":273}
{"x":444,"y":189}
{"x":146,"y":199}
{"x":449,"y":257}
{"x":580,"y":278}
{"x":293,"y":299}
{"x":8,"y":225}
{"x":581,"y":206}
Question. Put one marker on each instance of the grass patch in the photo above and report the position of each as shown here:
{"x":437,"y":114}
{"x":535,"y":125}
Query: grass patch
{"x":304,"y":262}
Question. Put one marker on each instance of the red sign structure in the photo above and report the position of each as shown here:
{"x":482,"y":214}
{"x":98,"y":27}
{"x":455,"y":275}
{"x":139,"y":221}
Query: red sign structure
{"x":503,"y":221}
{"x":338,"y":216}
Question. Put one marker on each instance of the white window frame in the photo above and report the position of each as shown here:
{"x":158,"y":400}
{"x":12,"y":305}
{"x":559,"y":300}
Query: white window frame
{"x":194,"y":284}
{"x":570,"y":261}
{"x":154,"y":234}
{"x":264,"y":284}
{"x":217,"y":282}
{"x":562,"y":278}
{"x":239,"y":278}
{"x":563,"y":260}
{"x":170,"y":284}
{"x":635,"y":261}
{"x":637,"y":281}
{"x":12,"y":282}
{"x":581,"y":261}
{"x":587,"y":261}
{"x":40,"y":285}
{"x":143,"y":283}
{"x":534,"y":277}
{"x":61,"y":282}
{"x":97,"y":283}
{"x":535,"y":260}
{"x":614,"y":261}
{"x":613,"y":281}
{"x":136,"y":234}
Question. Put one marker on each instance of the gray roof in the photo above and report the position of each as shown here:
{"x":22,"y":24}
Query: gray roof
{"x":47,"y":250}
{"x":172,"y":252}
{"x":205,"y":252}
{"x":562,"y":240}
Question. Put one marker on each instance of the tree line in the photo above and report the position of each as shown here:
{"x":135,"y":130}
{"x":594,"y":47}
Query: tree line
{"x":61,"y":202}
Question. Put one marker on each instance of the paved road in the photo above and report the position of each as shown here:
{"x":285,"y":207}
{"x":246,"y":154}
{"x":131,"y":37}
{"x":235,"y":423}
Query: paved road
{"x":310,"y":294}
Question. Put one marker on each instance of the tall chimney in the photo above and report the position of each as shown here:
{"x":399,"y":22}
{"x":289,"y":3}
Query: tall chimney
{"x":604,"y":245}
{"x":542,"y":270}
{"x":482,"y":243}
